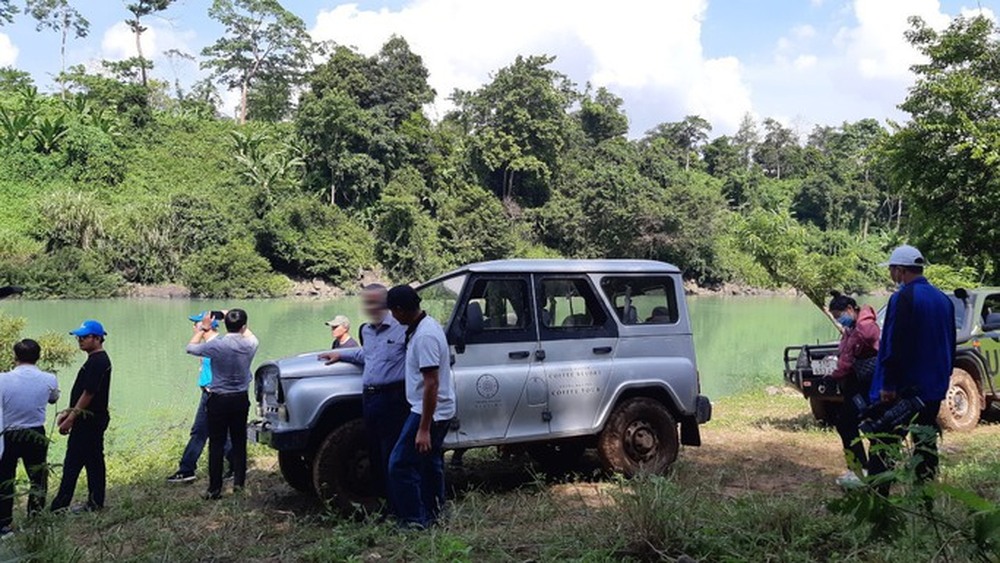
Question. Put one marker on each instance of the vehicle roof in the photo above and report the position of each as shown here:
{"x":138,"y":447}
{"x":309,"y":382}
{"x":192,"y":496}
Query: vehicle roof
{"x":990,"y":290}
{"x":562,"y":266}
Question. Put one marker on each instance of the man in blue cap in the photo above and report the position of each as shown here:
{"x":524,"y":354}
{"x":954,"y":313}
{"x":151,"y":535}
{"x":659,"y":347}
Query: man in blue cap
{"x":86,"y":421}
{"x":208,"y":325}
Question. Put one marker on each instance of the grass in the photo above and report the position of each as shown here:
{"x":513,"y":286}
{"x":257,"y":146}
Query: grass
{"x":756,"y":491}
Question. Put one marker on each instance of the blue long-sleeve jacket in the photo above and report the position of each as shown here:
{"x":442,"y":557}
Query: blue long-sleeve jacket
{"x":917,"y":349}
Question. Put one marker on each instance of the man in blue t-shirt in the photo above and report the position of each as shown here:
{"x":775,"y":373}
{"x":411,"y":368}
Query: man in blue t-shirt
{"x":915,"y":359}
{"x":199,"y":429}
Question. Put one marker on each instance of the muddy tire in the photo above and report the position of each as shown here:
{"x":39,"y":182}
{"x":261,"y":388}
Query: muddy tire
{"x":297,"y":471}
{"x":341,"y":471}
{"x":640,"y":437}
{"x":822,"y":410}
{"x":962,"y":406}
{"x":557,"y":457}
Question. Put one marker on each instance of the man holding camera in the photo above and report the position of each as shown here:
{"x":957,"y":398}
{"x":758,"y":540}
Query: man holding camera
{"x":915,"y":359}
{"x":227,"y":405}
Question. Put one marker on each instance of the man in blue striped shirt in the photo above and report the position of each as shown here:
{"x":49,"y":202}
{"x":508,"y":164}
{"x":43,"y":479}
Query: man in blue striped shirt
{"x":382,"y":356}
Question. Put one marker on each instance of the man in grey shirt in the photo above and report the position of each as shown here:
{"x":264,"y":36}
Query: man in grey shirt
{"x":27,"y":391}
{"x":228,"y":405}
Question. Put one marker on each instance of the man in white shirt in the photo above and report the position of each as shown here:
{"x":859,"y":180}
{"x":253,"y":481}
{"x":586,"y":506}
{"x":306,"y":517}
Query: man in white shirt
{"x":27,"y":391}
{"x":416,"y":465}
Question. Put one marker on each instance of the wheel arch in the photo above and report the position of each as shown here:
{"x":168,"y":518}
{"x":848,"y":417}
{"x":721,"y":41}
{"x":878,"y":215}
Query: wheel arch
{"x":333,"y":413}
{"x":655,"y":391}
{"x":972,"y":362}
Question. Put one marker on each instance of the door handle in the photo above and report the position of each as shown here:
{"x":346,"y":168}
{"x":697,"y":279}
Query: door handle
{"x":539,"y":355}
{"x":603,"y":350}
{"x":520,"y":355}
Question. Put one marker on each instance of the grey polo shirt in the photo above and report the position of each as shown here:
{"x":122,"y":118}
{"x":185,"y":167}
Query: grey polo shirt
{"x":428,"y":348}
{"x":231,"y":357}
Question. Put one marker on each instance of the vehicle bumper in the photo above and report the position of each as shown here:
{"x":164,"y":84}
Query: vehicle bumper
{"x":261,"y":432}
{"x":702,"y":409}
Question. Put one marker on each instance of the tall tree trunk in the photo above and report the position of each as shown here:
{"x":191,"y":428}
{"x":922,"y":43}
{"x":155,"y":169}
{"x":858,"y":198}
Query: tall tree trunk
{"x":243,"y":101}
{"x":142,"y":59}
{"x":333,"y":194}
{"x":62,"y":54}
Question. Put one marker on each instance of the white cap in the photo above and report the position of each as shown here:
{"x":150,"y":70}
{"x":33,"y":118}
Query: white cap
{"x":339,"y":320}
{"x":905,"y":255}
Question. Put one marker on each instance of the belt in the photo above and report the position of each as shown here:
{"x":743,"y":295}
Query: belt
{"x":377,"y":389}
{"x":228,"y":394}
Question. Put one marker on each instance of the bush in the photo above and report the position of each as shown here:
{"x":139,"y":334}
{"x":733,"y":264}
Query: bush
{"x":304,"y":236}
{"x":92,"y":156}
{"x":66,"y":273}
{"x":233,"y":271}
{"x":57,"y":350}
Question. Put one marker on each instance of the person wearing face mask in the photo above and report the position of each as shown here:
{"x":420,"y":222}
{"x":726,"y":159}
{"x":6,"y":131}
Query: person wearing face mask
{"x":856,"y":357}
{"x":915,"y":358}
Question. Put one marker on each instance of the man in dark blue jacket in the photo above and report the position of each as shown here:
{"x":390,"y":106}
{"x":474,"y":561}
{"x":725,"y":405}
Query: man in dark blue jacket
{"x":915,"y":357}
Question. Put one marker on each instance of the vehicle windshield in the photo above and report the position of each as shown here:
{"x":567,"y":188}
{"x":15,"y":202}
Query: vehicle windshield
{"x":438,"y":299}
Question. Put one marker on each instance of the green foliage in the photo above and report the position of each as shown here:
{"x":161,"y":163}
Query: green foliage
{"x":233,"y":271}
{"x":64,"y":273}
{"x":305,"y":237}
{"x":57,"y":350}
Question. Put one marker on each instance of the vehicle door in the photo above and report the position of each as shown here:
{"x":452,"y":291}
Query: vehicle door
{"x":987,"y":340}
{"x":495,"y":357}
{"x":577,"y":342}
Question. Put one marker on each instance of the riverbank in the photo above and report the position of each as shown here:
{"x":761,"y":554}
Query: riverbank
{"x":756,"y":490}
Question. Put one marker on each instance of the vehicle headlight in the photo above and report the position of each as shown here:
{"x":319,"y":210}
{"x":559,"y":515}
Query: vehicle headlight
{"x":268,"y":381}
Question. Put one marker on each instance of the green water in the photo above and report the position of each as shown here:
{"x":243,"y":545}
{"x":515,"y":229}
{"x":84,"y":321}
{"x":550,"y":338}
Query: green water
{"x":739,"y":343}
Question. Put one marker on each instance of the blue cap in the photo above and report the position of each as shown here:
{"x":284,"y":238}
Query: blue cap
{"x":89,"y":328}
{"x":197,"y":317}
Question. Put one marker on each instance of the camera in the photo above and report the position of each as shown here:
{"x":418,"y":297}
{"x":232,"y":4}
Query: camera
{"x":218,"y":315}
{"x":880,"y":418}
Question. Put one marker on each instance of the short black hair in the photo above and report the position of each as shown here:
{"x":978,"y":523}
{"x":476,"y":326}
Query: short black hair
{"x":404,"y":298}
{"x":27,"y":351}
{"x":841,"y":302}
{"x":918,"y":270}
{"x":236,"y":319}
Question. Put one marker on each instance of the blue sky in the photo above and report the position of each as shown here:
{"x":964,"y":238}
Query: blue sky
{"x":801,"y":61}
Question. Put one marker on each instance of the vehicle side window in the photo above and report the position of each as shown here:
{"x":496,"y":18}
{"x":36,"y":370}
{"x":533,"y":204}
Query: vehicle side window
{"x":642,"y":300}
{"x":499,"y":309}
{"x":569,"y":303}
{"x":991,"y":311}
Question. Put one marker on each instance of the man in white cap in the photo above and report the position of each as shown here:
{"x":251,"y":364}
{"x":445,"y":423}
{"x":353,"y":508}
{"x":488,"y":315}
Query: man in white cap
{"x":340,"y":329}
{"x":915,"y":358}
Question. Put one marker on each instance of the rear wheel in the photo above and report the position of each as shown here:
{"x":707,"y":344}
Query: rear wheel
{"x":639,"y":437}
{"x":962,"y":406}
{"x":341,"y":470}
{"x":297,"y":471}
{"x":822,"y":410}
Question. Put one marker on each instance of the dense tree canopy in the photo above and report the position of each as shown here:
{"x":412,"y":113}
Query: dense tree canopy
{"x":333,"y":170}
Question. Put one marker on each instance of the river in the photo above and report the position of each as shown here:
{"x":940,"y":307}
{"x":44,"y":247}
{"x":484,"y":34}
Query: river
{"x":739,"y":342}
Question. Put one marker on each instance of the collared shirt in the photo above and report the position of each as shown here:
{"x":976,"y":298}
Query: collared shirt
{"x":917,"y":349}
{"x":231,"y":357}
{"x":428,"y":349}
{"x":27,"y":391}
{"x":383,"y":354}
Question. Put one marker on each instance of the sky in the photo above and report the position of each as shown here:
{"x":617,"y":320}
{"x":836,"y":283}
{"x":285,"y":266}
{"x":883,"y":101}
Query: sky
{"x":803,"y":62}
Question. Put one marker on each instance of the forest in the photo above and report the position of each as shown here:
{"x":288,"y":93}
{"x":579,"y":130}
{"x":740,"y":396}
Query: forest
{"x":332,"y":169}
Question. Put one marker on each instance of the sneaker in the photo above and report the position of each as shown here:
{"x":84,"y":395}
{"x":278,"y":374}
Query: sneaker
{"x":212,"y":495}
{"x":850,"y":480}
{"x":181,"y":477}
{"x":6,"y":533}
{"x":229,"y":475}
{"x":84,"y":508}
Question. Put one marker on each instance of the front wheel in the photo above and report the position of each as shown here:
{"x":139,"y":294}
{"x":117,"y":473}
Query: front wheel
{"x":639,"y":437}
{"x":341,"y":470}
{"x":962,"y":406}
{"x":297,"y":471}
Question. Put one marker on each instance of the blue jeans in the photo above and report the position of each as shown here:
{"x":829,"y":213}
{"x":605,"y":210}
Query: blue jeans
{"x":416,"y":480}
{"x":385,"y":413}
{"x":199,"y":437}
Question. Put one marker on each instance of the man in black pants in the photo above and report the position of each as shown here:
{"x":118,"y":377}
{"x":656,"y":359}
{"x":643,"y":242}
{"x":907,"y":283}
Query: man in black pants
{"x":228,"y":405}
{"x":86,"y":421}
{"x":27,"y":391}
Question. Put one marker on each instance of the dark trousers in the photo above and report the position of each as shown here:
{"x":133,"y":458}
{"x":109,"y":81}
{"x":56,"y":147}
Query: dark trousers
{"x":84,"y":450}
{"x":199,"y":437}
{"x":925,"y":446}
{"x":416,"y":480}
{"x":846,"y":421}
{"x":385,"y":411}
{"x":227,"y":418}
{"x":32,"y":447}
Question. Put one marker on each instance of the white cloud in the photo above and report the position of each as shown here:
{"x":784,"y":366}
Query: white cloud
{"x":803,"y":62}
{"x":118,"y":42}
{"x":8,"y":51}
{"x":642,"y":49}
